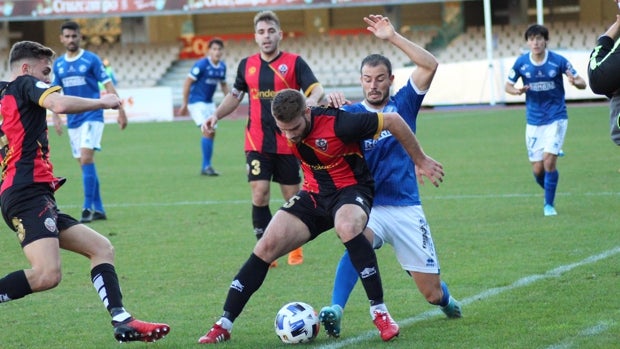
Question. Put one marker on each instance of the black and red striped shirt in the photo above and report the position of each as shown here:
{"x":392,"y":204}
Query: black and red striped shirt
{"x":331,"y":154}
{"x":261,"y":80}
{"x":25,"y":160}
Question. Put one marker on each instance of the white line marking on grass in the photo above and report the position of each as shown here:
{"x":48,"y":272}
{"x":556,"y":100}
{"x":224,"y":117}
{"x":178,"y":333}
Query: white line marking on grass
{"x":244,"y":202}
{"x":588,"y":332}
{"x":525,"y":281}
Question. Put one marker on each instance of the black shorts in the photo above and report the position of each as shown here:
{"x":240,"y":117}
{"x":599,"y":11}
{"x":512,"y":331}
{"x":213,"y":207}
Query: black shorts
{"x":32,"y":213}
{"x":318,"y":211}
{"x":283,"y":169}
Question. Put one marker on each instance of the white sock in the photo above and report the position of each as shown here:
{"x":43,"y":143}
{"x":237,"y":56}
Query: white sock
{"x":225,"y":323}
{"x":377,"y":307}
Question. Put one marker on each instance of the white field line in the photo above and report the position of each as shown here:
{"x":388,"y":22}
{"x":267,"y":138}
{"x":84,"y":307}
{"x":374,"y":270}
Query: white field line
{"x":599,"y":328}
{"x":525,"y":281}
{"x":426,"y":197}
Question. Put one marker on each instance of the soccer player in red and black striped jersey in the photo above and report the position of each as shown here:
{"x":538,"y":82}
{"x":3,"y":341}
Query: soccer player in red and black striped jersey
{"x":337,"y":193}
{"x":27,"y":192}
{"x":267,"y":154}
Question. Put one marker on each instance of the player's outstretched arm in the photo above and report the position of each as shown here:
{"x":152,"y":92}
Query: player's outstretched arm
{"x":64,"y":104}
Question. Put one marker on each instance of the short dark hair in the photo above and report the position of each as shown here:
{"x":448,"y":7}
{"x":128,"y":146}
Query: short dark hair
{"x":287,"y":105}
{"x":216,"y":41}
{"x":71,"y":25}
{"x":29,"y":50}
{"x":376,"y":59}
{"x":266,"y":16}
{"x":537,"y":29}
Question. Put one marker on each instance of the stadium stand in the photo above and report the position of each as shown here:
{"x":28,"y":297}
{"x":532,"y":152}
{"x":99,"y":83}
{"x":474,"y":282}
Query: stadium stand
{"x":335,"y":58}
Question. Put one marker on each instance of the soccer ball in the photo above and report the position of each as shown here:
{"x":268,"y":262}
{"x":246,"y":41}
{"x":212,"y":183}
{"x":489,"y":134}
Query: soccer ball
{"x":296,"y":322}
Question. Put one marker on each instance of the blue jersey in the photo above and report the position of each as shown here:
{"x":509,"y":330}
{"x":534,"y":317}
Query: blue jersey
{"x":206,"y":76}
{"x":80,"y":76}
{"x":391,"y":166}
{"x":544,"y":100}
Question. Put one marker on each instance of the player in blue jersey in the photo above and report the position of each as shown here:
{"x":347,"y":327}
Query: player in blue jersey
{"x":397,"y":217}
{"x":78,"y":73}
{"x":541,"y":73}
{"x":198,"y":91}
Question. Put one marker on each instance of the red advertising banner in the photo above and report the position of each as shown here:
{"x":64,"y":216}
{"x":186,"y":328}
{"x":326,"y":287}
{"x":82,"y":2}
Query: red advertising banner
{"x":41,"y":9}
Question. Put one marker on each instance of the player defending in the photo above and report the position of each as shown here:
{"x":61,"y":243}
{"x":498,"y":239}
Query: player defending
{"x":339,"y":198}
{"x":268,"y":156}
{"x":28,"y":186}
{"x":78,"y":72}
{"x":545,"y":107}
{"x":198,"y":91}
{"x":397,"y":217}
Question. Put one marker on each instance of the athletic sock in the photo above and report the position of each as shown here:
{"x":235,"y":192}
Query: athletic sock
{"x":261,"y":215}
{"x":551,"y":184}
{"x":105,"y":281}
{"x":540,"y":180}
{"x":364,"y":259}
{"x":207,"y":151}
{"x":97,"y":202}
{"x":445,"y":298}
{"x":249,"y":279}
{"x":89,"y":180}
{"x":14,"y":286}
{"x":344,"y":281}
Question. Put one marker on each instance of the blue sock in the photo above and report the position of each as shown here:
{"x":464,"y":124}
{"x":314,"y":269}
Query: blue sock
{"x":97,"y":202}
{"x":445,"y":299}
{"x":344,"y":282}
{"x":89,"y":182}
{"x":207,"y":151}
{"x":551,"y":183}
{"x":540,"y":180}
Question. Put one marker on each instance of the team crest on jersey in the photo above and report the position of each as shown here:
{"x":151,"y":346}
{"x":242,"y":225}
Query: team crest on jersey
{"x":552,"y":73}
{"x":82,"y":68}
{"x":321,"y":143}
{"x":283,"y":68}
{"x":252,"y":70}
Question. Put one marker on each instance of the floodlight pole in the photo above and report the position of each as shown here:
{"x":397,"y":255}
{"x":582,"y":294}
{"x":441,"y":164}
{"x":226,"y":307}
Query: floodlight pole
{"x":489,"y":43}
{"x":539,"y":12}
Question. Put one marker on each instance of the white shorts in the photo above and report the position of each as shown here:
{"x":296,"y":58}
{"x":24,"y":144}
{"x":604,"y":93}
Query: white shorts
{"x":406,"y":229}
{"x":200,"y":111}
{"x":88,"y":135}
{"x":545,"y":139}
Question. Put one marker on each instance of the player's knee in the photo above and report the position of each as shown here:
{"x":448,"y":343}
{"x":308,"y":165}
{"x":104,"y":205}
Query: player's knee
{"x":42,"y":280}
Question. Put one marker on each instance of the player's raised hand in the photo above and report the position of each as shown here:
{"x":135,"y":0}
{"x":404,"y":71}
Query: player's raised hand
{"x":430,"y":169}
{"x":380,"y":26}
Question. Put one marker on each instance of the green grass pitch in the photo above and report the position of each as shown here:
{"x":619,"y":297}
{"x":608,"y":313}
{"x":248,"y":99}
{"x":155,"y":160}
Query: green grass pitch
{"x":526,"y":281}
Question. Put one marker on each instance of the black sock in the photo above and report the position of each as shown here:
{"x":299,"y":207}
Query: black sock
{"x":105,"y":280}
{"x":14,"y":286}
{"x":261,"y":215}
{"x":364,"y":260}
{"x":249,"y":279}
